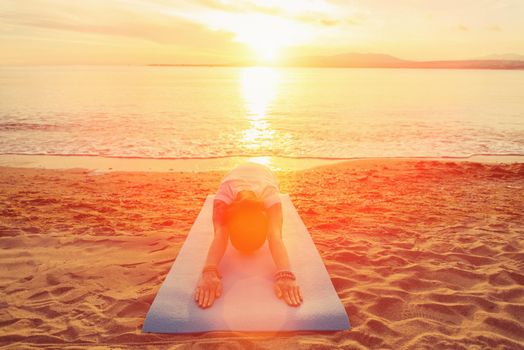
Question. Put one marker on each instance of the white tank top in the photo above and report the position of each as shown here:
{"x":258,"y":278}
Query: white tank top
{"x":250,"y":177}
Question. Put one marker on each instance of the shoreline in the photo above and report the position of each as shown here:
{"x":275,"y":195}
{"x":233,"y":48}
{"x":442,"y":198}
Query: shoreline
{"x":102,"y":164}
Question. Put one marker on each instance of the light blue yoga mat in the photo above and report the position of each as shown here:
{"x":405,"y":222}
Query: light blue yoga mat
{"x":248,"y":301}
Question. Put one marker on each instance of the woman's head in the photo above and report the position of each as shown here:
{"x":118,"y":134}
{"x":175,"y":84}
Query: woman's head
{"x":246,"y":222}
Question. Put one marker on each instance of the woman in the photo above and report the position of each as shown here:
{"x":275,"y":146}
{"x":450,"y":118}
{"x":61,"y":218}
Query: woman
{"x":247,"y":211}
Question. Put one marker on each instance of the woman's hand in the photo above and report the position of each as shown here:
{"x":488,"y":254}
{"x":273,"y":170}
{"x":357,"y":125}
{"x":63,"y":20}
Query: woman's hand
{"x":209,"y":288}
{"x":288,"y":290}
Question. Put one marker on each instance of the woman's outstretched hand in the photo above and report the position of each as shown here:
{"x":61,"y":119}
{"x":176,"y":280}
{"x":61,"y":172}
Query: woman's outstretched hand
{"x":209,"y":288}
{"x":288,"y":290}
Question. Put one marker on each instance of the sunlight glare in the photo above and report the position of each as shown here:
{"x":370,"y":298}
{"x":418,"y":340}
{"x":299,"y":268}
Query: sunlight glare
{"x":264,"y":160}
{"x":259,"y":87}
{"x":265,"y":35}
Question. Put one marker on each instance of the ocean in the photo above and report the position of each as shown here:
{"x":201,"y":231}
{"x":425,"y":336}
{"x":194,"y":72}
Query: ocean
{"x":210,"y":112}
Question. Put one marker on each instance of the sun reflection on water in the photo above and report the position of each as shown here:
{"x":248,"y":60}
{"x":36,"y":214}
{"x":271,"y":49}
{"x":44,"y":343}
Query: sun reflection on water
{"x":264,"y":160}
{"x":259,"y":89}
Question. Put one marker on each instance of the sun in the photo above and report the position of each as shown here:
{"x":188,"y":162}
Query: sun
{"x":265,"y":51}
{"x":267,"y":36}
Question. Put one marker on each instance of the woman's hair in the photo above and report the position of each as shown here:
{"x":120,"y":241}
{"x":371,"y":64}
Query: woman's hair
{"x":247,"y":223}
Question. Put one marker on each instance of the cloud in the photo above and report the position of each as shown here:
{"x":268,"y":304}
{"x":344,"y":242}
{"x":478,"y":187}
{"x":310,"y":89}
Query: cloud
{"x":494,"y":28}
{"x":160,"y":28}
{"x":231,"y":29}
{"x":162,"y":33}
{"x":111,"y":32}
{"x":159,"y":21}
{"x":321,"y":13}
{"x":241,"y":6}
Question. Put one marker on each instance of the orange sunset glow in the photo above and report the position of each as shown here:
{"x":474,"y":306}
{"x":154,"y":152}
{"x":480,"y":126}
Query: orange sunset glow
{"x":255,"y":32}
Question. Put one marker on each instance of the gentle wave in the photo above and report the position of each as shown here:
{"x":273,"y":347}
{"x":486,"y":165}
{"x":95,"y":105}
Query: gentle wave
{"x":258,"y":156}
{"x":28,"y":126}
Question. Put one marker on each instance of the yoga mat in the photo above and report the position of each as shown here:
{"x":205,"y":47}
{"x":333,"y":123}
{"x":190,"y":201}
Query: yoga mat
{"x":248,"y":301}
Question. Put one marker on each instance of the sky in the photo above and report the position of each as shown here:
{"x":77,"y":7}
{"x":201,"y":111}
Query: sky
{"x":223,"y":32}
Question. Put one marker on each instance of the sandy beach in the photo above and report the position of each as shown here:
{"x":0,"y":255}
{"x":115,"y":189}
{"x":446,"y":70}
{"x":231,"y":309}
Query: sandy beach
{"x":423,"y":254}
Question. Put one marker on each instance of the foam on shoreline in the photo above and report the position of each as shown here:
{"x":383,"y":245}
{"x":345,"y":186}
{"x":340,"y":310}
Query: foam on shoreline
{"x":110,"y":164}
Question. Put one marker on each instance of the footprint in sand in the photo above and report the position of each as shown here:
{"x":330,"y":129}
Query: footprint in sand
{"x":435,"y":312}
{"x":510,"y":328}
{"x":370,"y":341}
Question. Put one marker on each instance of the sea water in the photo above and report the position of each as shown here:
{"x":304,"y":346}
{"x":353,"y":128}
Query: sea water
{"x":206,"y":112}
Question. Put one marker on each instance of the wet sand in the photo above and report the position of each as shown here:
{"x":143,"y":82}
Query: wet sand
{"x":423,"y":254}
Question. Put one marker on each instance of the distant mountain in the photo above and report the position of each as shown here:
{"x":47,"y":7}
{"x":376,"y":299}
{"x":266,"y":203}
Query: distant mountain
{"x":347,"y":60}
{"x":376,"y":60}
{"x":506,"y":57}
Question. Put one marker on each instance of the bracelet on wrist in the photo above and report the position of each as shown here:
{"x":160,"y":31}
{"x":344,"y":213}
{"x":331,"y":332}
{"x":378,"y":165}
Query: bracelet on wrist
{"x":283,"y":277}
{"x":282,"y":274}
{"x":212,"y":268}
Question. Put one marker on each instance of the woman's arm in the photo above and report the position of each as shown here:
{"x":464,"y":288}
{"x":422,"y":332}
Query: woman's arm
{"x":219,"y":244}
{"x":284,"y":288}
{"x":209,"y":286}
{"x":276,"y":245}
